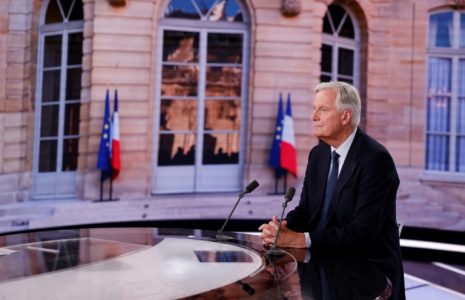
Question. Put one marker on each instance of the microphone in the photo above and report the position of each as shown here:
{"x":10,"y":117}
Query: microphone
{"x":248,"y":189}
{"x":252,"y":186}
{"x":274,"y":251}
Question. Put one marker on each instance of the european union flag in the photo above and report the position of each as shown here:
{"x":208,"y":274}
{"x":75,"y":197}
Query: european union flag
{"x":103,"y":163}
{"x":275,"y":155}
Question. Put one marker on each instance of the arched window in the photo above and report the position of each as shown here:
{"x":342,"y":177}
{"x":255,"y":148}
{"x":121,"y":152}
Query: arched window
{"x":58,"y":94}
{"x":445,"y":102}
{"x":340,"y":51}
{"x":201,"y":96}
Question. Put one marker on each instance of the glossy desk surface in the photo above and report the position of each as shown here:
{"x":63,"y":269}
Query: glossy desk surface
{"x":164,"y":263}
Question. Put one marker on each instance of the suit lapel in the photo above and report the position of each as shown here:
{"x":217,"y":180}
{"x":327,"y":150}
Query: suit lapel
{"x":348,"y":169}
{"x":322,"y":179}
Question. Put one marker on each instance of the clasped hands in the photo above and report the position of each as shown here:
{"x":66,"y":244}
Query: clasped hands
{"x":286,"y":239}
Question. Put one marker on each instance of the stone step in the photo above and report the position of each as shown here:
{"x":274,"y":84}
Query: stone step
{"x":457,"y":208}
{"x":459,"y":226}
{"x":447,"y":219}
{"x":402,"y":195}
{"x":9,"y":229}
{"x":422,"y":212}
{"x":14,"y":221}
{"x":30,"y":210}
{"x":410,"y":204}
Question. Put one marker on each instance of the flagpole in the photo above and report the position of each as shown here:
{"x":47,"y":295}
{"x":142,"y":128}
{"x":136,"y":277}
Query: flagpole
{"x":101,"y":186}
{"x":111,"y":188}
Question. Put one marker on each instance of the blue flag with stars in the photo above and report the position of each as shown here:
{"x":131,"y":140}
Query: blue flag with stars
{"x":275,"y":155}
{"x":103,"y":163}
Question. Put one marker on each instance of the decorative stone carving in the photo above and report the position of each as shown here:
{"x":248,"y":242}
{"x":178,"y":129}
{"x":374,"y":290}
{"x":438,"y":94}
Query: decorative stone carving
{"x":117,"y":2}
{"x":290,"y":8}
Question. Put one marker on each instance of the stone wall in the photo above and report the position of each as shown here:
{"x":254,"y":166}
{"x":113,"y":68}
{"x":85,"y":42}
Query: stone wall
{"x":120,"y":54}
{"x":16,"y":98}
{"x":120,"y":50}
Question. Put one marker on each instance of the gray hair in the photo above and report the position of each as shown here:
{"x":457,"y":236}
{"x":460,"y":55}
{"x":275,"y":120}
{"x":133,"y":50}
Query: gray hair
{"x":347,"y":98}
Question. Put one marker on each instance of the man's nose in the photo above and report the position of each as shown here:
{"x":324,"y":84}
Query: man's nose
{"x":314,"y":116}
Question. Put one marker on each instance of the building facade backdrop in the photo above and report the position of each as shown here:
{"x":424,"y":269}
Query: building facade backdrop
{"x":198,"y":84}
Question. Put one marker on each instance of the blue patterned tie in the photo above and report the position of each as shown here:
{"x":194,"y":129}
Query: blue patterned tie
{"x":329,"y":189}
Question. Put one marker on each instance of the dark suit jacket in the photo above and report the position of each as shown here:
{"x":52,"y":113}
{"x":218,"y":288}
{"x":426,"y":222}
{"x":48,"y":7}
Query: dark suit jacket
{"x":345,"y":278}
{"x":362,"y":213}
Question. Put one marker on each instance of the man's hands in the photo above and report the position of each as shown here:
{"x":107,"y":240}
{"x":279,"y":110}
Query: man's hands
{"x":286,"y":239}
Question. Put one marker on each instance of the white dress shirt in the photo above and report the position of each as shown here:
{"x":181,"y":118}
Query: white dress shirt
{"x":342,"y":151}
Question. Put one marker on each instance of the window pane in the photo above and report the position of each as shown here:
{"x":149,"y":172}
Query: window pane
{"x":53,"y":14}
{"x":224,"y":48}
{"x":437,"y":152}
{"x":205,"y":5}
{"x":461,"y":115}
{"x":345,"y":64}
{"x":176,"y":149}
{"x":223,"y":82}
{"x":462,"y":30}
{"x":222,"y":114}
{"x":326,"y":58}
{"x":181,"y":9}
{"x":178,"y":115}
{"x":49,"y":120}
{"x":347,"y":29}
{"x":179,"y":81}
{"x":73,"y":84}
{"x":461,"y":100}
{"x":350,"y":81}
{"x":337,"y":13}
{"x":325,"y":78}
{"x":180,"y":46}
{"x":52,"y":51}
{"x":66,"y":5}
{"x":51,"y":86}
{"x":233,"y":11}
{"x":70,"y":154}
{"x":48,"y":156}
{"x":220,"y":148}
{"x":78,"y":12}
{"x":72,"y":113}
{"x":460,"y":155}
{"x":461,"y":78}
{"x":326,"y":25}
{"x":225,"y":10}
{"x":439,"y":76}
{"x":440,"y":30}
{"x":75,"y":49}
{"x":438,"y":114}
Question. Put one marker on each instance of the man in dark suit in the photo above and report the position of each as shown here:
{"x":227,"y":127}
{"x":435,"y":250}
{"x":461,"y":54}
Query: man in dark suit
{"x":349,"y":192}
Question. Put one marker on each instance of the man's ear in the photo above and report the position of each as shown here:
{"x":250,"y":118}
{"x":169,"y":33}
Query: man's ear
{"x":346,"y":117}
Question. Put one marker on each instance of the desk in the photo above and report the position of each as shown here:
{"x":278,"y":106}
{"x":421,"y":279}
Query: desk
{"x":164,"y":263}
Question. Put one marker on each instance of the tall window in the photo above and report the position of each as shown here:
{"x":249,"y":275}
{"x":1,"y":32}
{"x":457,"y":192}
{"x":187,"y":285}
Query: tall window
{"x":341,"y":47}
{"x":445,"y":121}
{"x":202,"y":96}
{"x":58,"y":98}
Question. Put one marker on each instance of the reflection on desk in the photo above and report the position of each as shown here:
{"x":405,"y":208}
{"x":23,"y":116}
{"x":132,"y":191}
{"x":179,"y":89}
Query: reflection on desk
{"x":161,"y":263}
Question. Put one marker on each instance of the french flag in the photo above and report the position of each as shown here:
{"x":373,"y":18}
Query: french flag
{"x":288,"y":153}
{"x":114,"y":144}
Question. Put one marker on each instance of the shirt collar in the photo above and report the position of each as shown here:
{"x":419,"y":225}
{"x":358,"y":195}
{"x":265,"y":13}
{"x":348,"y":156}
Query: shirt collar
{"x":344,"y":148}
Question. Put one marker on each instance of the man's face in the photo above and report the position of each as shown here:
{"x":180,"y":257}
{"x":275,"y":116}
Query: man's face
{"x":327,"y":121}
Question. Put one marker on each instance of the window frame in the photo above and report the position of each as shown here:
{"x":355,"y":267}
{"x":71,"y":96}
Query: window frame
{"x":337,"y":42}
{"x":64,"y":29}
{"x":454,"y":53}
{"x":203,"y":27}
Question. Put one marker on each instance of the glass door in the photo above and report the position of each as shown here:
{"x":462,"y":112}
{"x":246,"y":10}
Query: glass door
{"x":200,"y":120}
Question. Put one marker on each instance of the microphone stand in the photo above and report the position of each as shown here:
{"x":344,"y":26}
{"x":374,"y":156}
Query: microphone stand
{"x":273,"y":260}
{"x":274,"y":252}
{"x":220,"y":236}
